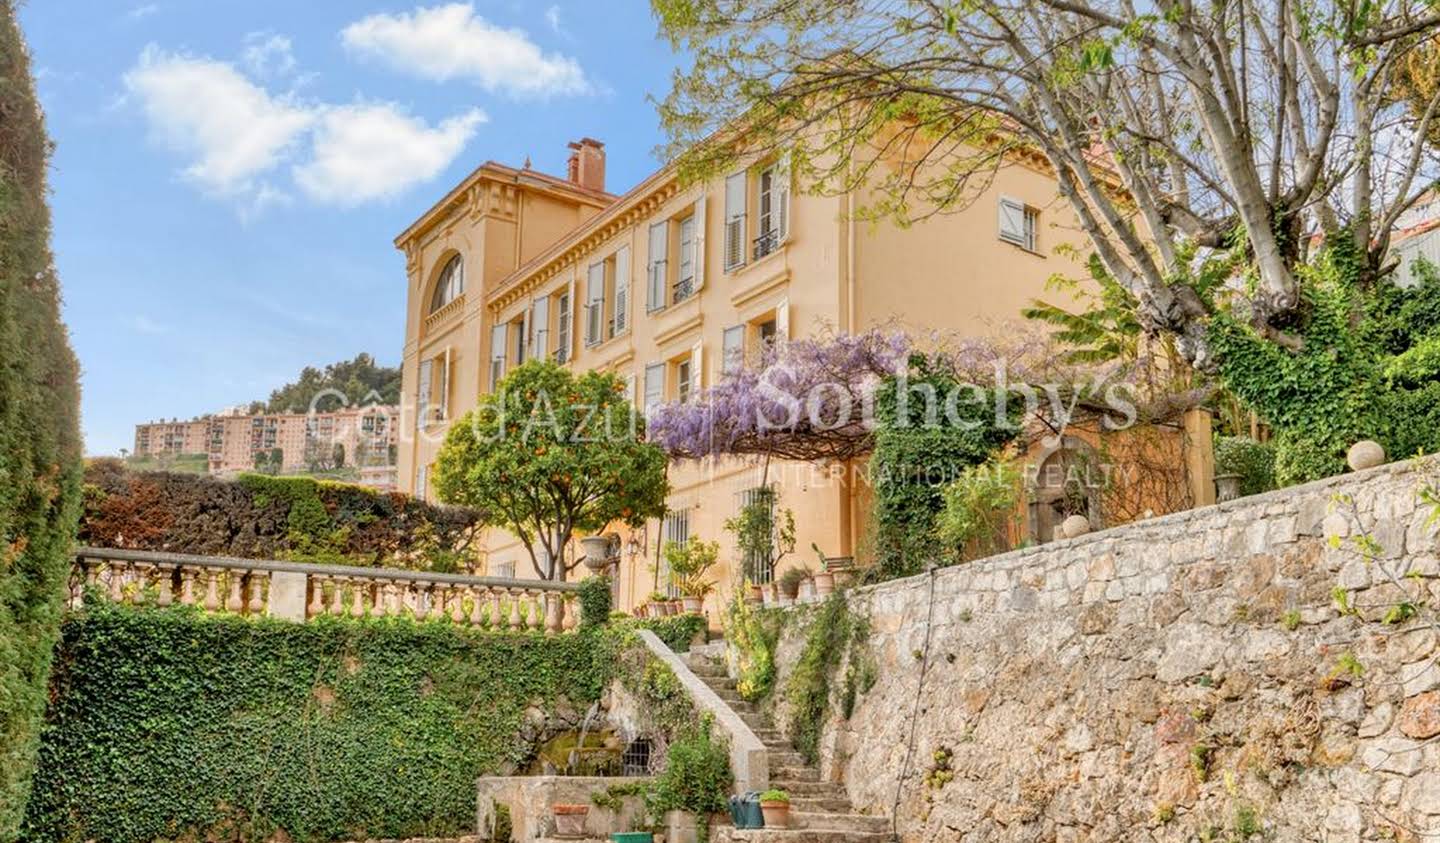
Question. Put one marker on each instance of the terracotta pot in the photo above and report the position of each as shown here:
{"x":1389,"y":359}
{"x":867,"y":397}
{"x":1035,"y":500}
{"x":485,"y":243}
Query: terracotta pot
{"x":824,"y":583}
{"x":570,"y":820}
{"x":691,"y":604}
{"x":756,"y":593}
{"x":776,"y":814}
{"x":806,"y":593}
{"x":677,"y":608}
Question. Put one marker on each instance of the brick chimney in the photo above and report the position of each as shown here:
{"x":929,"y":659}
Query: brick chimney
{"x":587,"y":164}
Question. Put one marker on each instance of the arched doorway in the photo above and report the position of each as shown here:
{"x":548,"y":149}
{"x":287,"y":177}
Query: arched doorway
{"x":1063,"y":485}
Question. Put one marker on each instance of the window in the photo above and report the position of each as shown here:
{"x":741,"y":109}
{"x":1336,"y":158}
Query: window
{"x":772,"y":207}
{"x":655,"y":269}
{"x":734,"y":222}
{"x":607,"y":297}
{"x":654,"y":386}
{"x":517,"y":328}
{"x":422,"y":481}
{"x":635,"y":760}
{"x":562,"y":328}
{"x":1019,"y":224}
{"x":503,"y":569}
{"x":767,"y":330}
{"x":685,"y":283}
{"x":422,"y":395}
{"x":450,"y":285}
{"x":497,"y":355}
{"x":677,"y":530}
{"x":682,"y":380}
{"x":595,"y":304}
{"x":732,"y":353}
{"x":620,"y":322}
{"x":759,"y":566}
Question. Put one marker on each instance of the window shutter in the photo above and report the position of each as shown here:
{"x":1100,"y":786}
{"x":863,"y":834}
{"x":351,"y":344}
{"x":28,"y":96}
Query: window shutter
{"x":655,"y":267}
{"x":697,"y":369}
{"x":630,"y":387}
{"x":445,"y":387}
{"x":595,"y":304}
{"x":1012,"y":221}
{"x":497,"y":356}
{"x":422,"y":395}
{"x":562,"y":328}
{"x":622,"y":290}
{"x":571,"y":305}
{"x":782,"y":197}
{"x":654,"y":386}
{"x":540,"y":326}
{"x":782,"y":319}
{"x":699,"y":249}
{"x":734,"y":221}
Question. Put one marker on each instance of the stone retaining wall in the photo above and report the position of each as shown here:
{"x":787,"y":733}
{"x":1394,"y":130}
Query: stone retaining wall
{"x":1189,"y":677}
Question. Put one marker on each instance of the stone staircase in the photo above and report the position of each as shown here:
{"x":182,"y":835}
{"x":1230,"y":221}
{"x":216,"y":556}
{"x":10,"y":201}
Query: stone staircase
{"x":820,"y":811}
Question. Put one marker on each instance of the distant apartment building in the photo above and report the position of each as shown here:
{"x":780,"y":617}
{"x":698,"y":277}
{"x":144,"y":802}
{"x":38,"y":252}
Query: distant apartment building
{"x":671,"y":285}
{"x":363,"y":438}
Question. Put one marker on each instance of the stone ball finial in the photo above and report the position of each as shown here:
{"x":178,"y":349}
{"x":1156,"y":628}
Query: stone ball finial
{"x":1075,"y":525}
{"x":1365,"y":454}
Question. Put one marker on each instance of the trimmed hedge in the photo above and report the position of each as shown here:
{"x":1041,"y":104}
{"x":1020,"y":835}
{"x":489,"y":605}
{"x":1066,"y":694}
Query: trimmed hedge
{"x":263,"y":517}
{"x":39,"y":430}
{"x":1253,"y":461}
{"x":167,"y":723}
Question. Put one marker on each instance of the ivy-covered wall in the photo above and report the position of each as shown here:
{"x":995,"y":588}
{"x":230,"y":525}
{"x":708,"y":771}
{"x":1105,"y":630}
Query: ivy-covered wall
{"x":169,"y":724}
{"x":262,"y":517}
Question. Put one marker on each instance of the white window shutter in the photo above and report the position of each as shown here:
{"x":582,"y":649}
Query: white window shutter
{"x":630,"y":387}
{"x":732,"y":350}
{"x":734,"y":221}
{"x":572,"y":306}
{"x":422,"y":395}
{"x":699,"y":258}
{"x":655,"y":266}
{"x":622,"y":290}
{"x":595,"y":304}
{"x":1012,"y":220}
{"x":697,"y":369}
{"x":782,"y":197}
{"x":782,"y":319}
{"x":540,"y":327}
{"x":445,"y":385}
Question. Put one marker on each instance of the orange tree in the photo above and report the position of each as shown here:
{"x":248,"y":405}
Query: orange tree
{"x":550,"y":453}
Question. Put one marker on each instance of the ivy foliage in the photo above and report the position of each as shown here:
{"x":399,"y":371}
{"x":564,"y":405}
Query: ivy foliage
{"x":262,"y":517}
{"x":594,"y":602}
{"x":39,"y":430}
{"x":931,"y":428}
{"x":753,"y":634}
{"x":1363,"y":369}
{"x":833,"y":634}
{"x":170,"y":724}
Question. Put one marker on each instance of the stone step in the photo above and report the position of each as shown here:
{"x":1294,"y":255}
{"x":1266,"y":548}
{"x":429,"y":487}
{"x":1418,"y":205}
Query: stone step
{"x":794,"y":773}
{"x":794,"y":835}
{"x":811,"y":789}
{"x":843,"y":821}
{"x":718,"y":683}
{"x":820,"y":804}
{"x":785,"y":757}
{"x":771,"y":736}
{"x":755,"y":720}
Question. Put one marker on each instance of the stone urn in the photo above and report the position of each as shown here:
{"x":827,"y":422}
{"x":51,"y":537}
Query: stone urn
{"x":596,"y":550}
{"x":1075,"y":526}
{"x":1365,"y":454}
{"x":824,"y":583}
{"x":1227,"y":487}
{"x":570,"y":820}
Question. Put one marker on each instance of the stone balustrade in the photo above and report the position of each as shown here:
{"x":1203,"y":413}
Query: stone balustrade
{"x":298,"y":591}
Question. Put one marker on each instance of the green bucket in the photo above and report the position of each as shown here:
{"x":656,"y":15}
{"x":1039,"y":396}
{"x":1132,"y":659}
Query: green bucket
{"x":632,"y":837}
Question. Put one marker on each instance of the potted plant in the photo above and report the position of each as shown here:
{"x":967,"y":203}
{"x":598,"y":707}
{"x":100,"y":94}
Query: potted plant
{"x":775,"y":807}
{"x":789,"y":584}
{"x":825,"y":579}
{"x":754,"y":593}
{"x":688,"y":564}
{"x":657,"y":604}
{"x":570,"y":819}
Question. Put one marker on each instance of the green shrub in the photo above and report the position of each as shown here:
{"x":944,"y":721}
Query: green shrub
{"x":1253,"y":461}
{"x":978,"y":509}
{"x":262,"y":517}
{"x":168,"y":724}
{"x":39,"y":432}
{"x":697,"y":775}
{"x":594,"y":602}
{"x":677,"y":631}
{"x":752,"y":633}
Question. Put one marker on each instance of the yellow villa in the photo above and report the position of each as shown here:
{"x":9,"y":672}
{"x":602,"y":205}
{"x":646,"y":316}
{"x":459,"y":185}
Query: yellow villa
{"x":667,"y":285}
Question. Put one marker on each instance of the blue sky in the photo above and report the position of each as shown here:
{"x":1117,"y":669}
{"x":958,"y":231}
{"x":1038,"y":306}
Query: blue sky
{"x":228,"y":176}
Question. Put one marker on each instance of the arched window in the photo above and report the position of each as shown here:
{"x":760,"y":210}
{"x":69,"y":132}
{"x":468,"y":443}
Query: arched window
{"x":450,"y":285}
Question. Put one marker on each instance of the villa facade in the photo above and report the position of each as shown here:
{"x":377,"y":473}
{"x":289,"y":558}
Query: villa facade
{"x":671,"y":284}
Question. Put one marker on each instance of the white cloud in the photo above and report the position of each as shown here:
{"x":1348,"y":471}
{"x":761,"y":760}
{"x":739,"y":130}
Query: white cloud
{"x":233,"y":129}
{"x":268,"y":54}
{"x":371,"y":151}
{"x":145,"y":325}
{"x":143,"y":11}
{"x":448,"y":42}
{"x":552,"y":17}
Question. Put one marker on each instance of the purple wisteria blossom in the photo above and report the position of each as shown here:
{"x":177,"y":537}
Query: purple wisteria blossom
{"x":809,"y":399}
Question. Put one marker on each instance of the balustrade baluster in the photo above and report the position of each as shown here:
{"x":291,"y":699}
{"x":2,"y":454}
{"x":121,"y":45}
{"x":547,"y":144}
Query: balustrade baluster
{"x":357,"y":598}
{"x":233,"y":602}
{"x":142,"y":581}
{"x":167,"y":585}
{"x":117,"y":581}
{"x":457,"y":604}
{"x":494,"y":621}
{"x":552,"y":613}
{"x":337,"y":597}
{"x":256,"y":581}
{"x":477,"y":596}
{"x":382,"y":596}
{"x":315,"y":603}
{"x":517,"y":620}
{"x":533,"y":600}
{"x":187,"y":586}
{"x":422,"y":600}
{"x":212,"y":589}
